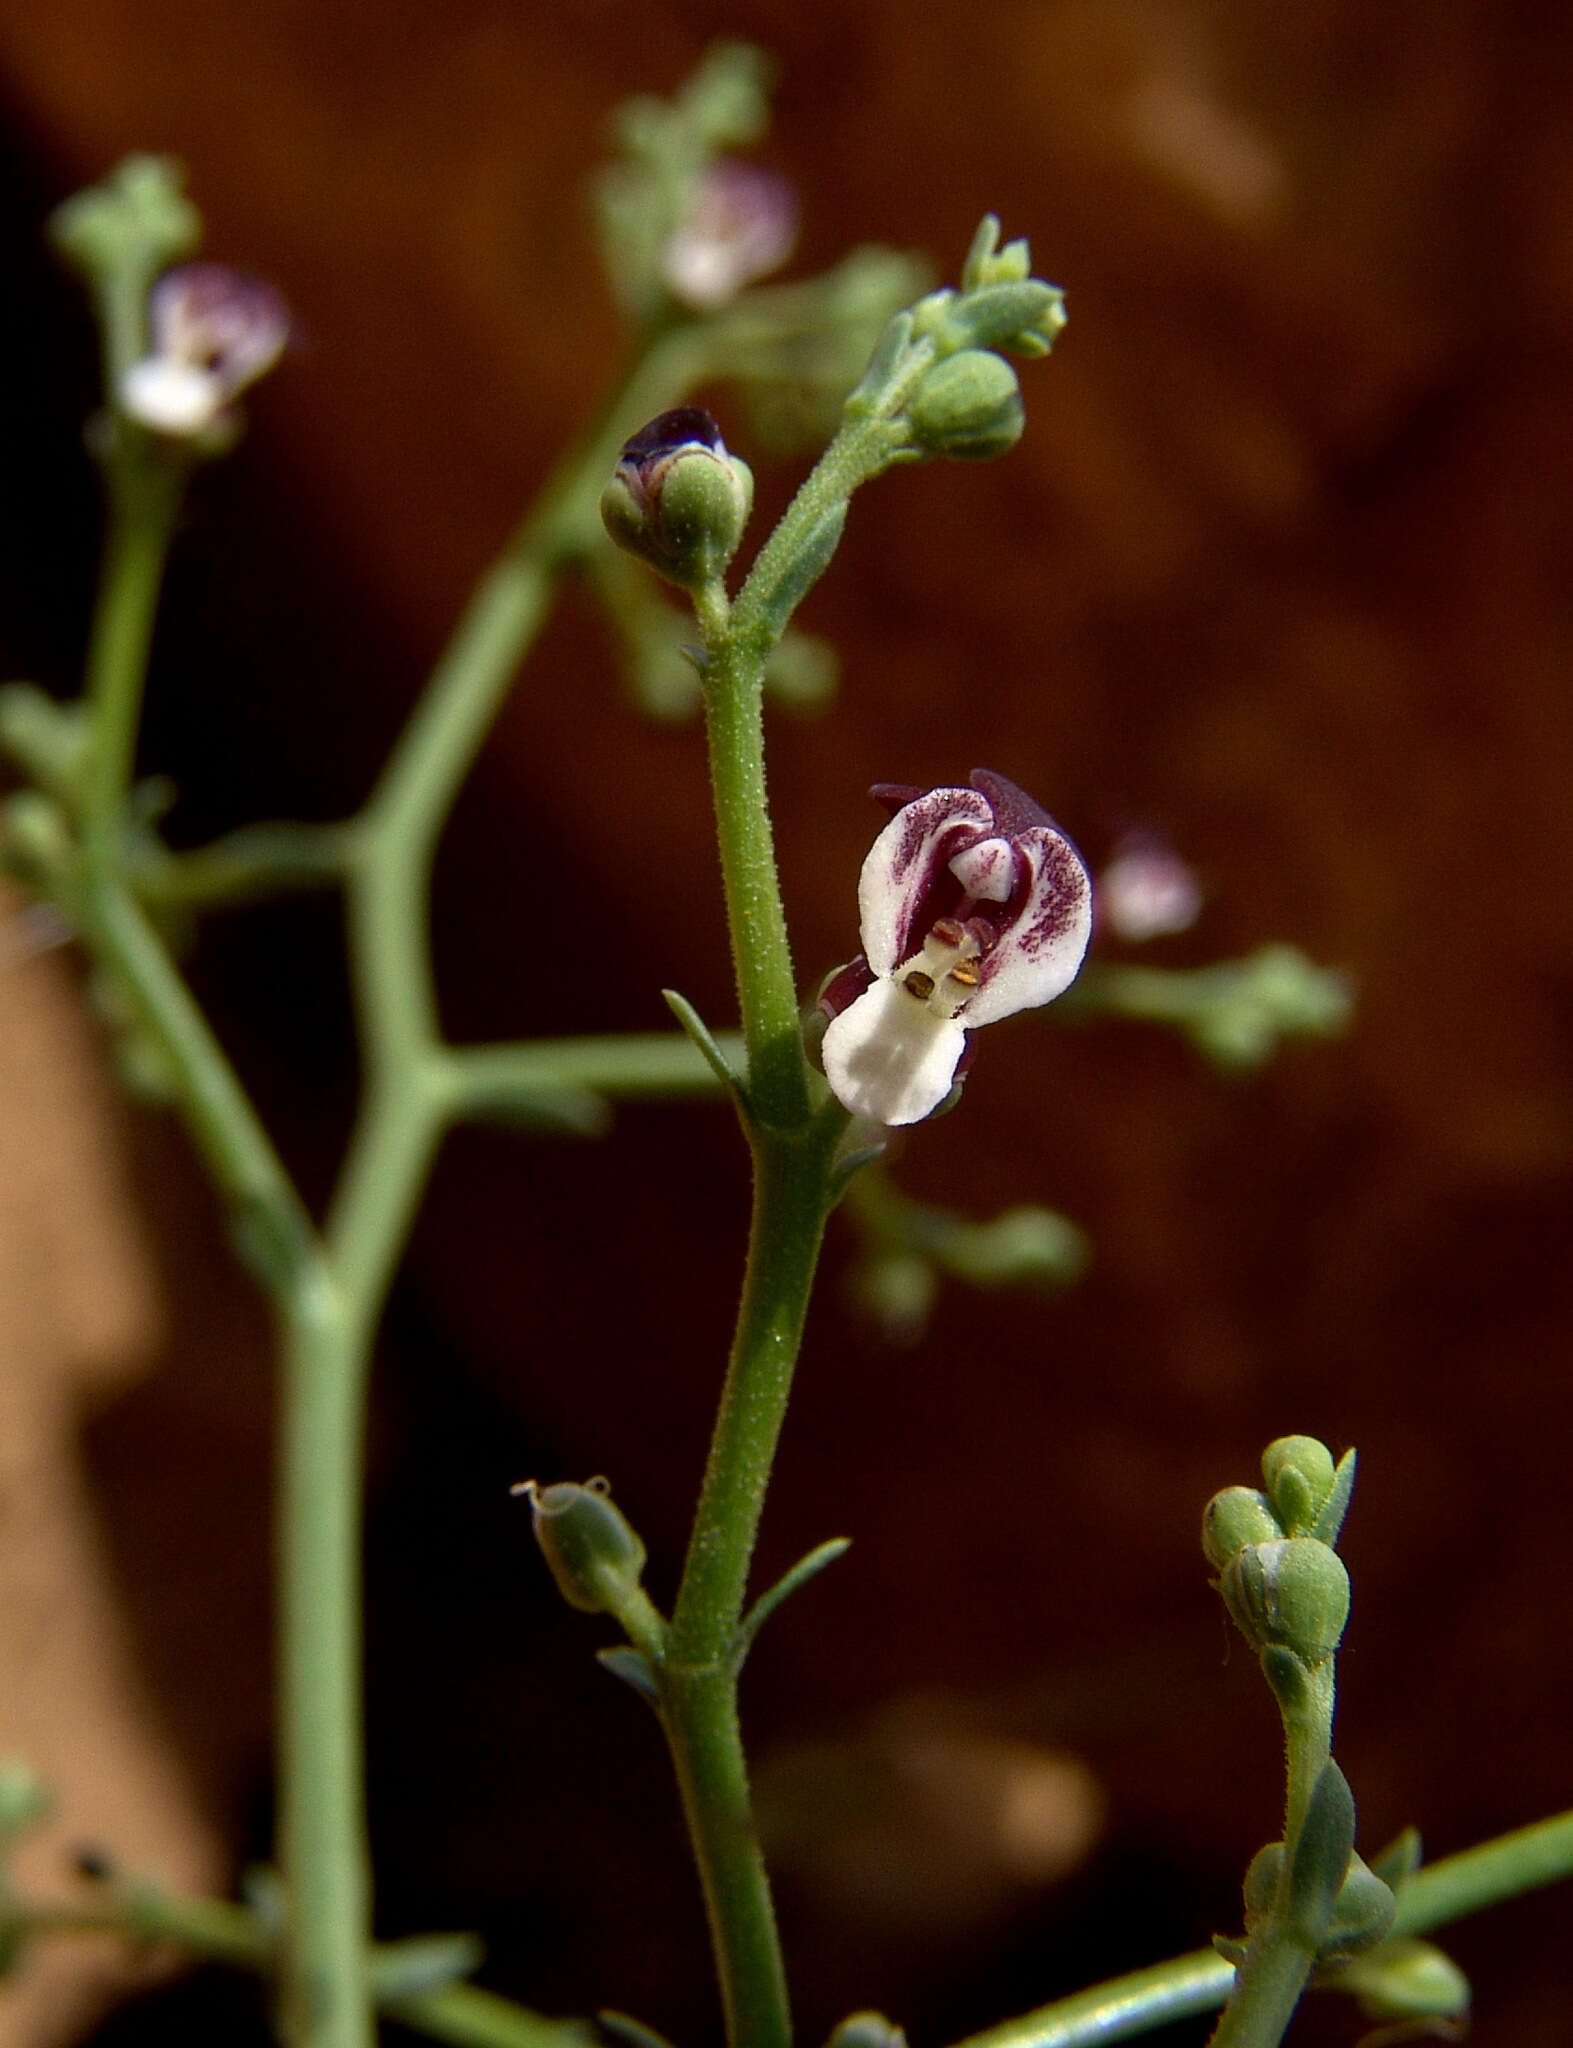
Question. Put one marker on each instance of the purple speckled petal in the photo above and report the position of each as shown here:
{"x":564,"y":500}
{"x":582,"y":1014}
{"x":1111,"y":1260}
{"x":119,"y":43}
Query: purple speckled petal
{"x":914,"y":847}
{"x":1043,"y":938}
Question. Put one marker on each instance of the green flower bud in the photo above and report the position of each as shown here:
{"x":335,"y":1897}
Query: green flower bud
{"x":968,"y":407}
{"x":1362,"y":1913}
{"x":138,"y":219}
{"x":593,"y":1554}
{"x":1237,"y":1516}
{"x":1298,"y":1473}
{"x":1291,"y":1594}
{"x":678,"y":499}
{"x":1407,"y":1980}
{"x":35,"y":836}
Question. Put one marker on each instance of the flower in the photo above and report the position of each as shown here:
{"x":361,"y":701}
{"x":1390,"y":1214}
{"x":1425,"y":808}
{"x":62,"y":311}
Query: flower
{"x":678,"y":498}
{"x":740,"y":224}
{"x":1147,"y":891}
{"x":973,"y":905}
{"x":214,"y":331}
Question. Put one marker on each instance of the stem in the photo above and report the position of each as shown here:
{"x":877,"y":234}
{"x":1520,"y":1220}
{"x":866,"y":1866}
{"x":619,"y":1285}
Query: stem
{"x":756,"y":920}
{"x":144,"y":491}
{"x":326,"y":1993}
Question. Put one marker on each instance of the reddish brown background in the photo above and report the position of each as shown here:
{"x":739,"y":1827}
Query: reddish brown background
{"x":1282,"y":565}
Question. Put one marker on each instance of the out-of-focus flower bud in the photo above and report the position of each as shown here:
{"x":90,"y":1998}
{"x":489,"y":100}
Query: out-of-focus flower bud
{"x":1146,"y":891}
{"x":1407,"y":1980}
{"x":1234,"y":1518}
{"x":593,"y":1554}
{"x":678,"y":499}
{"x":1292,"y":1593}
{"x":968,"y":407}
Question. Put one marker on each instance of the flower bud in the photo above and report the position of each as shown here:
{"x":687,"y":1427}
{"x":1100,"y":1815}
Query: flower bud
{"x":593,"y":1554}
{"x":1362,"y":1913}
{"x":1234,"y":1518}
{"x":867,"y":2030}
{"x":1291,"y":1594}
{"x":1407,"y":1980}
{"x":1298,"y":1473}
{"x":968,"y":407}
{"x":678,"y":499}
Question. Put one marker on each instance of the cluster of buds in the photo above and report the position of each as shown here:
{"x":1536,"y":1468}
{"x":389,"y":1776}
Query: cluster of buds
{"x":1283,"y":1583}
{"x":213,"y":332}
{"x":973,"y":905}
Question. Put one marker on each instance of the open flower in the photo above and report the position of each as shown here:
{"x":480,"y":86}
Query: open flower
{"x":973,"y":905}
{"x":214,"y":331}
{"x":740,"y":224}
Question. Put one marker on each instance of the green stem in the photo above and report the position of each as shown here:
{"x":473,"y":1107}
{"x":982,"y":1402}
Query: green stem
{"x":756,"y":919}
{"x":326,"y":1993}
{"x":144,"y":491}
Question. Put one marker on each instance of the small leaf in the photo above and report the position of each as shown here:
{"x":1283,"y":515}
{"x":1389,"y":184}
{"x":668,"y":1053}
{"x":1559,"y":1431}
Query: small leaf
{"x":703,"y":1037}
{"x":805,"y":1569}
{"x":424,"y":1962}
{"x":812,"y":559}
{"x":623,"y":2027}
{"x":632,"y":1667}
{"x":1320,"y":1859}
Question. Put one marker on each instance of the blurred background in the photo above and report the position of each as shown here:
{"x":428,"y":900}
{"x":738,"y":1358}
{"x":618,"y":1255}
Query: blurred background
{"x":1281,"y":569}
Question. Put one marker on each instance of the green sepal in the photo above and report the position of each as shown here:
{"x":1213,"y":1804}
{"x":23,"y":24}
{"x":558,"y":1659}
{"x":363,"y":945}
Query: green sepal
{"x":1288,"y":1678}
{"x":798,"y":1575}
{"x":1330,"y":1520}
{"x":1320,"y":1859}
{"x":798,"y":578}
{"x":894,"y":339}
{"x":703,"y":1037}
{"x":1298,"y":1474}
{"x":1400,"y":1859}
{"x":633,"y":1667}
{"x":624,"y":2027}
{"x":424,"y":1962}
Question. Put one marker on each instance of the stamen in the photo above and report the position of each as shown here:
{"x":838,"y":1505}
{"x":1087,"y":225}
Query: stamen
{"x":919,"y":984}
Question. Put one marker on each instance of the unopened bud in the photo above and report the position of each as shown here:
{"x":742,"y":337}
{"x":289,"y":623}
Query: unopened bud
{"x":1298,"y":1473}
{"x":968,"y":407}
{"x":1407,"y":1980}
{"x":1362,"y":1913}
{"x":678,"y":499}
{"x":1234,"y":1518}
{"x":1291,"y":1594}
{"x":867,"y":2030}
{"x":593,"y":1554}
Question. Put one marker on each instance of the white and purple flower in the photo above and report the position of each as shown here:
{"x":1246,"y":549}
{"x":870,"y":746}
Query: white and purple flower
{"x":973,"y":905}
{"x":214,"y":331}
{"x":740,"y":225}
